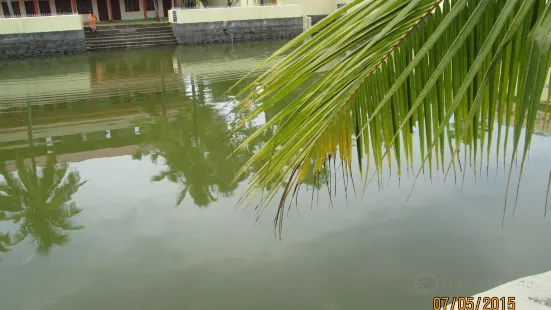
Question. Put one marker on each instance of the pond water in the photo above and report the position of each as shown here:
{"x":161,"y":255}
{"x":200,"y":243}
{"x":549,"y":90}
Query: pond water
{"x":159,"y":227}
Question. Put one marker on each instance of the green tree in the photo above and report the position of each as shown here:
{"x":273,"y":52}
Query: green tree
{"x":388,"y":72}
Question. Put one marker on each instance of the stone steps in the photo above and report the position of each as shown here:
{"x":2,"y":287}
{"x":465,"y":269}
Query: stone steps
{"x":129,"y":36}
{"x":128,"y":45}
{"x":132,"y":26}
{"x":137,"y":38}
{"x":103,"y":31}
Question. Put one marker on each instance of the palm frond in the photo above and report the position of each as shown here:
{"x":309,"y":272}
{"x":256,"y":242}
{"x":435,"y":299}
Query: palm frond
{"x":5,"y":240}
{"x":18,"y":237}
{"x":11,"y":186}
{"x":181,"y":196}
{"x":53,"y":174}
{"x":438,"y":71}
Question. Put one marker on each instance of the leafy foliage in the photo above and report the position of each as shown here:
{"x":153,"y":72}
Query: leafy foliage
{"x":442,"y":72}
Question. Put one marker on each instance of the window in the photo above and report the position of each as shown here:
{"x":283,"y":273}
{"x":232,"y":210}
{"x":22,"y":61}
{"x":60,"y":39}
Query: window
{"x":16,"y":9}
{"x":150,"y":6}
{"x":63,"y":6}
{"x":84,"y":6}
{"x":132,"y":5}
{"x":189,"y":3}
{"x":29,"y":7}
{"x":44,"y":7}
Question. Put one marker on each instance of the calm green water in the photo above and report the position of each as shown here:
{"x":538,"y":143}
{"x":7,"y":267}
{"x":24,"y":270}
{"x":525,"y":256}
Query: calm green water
{"x":146,"y":130}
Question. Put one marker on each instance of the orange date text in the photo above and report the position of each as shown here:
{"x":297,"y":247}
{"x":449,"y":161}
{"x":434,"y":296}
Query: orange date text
{"x":473,"y":303}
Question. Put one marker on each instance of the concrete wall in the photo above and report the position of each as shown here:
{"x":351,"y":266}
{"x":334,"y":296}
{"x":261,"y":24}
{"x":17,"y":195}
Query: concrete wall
{"x":236,"y":13}
{"x":238,"y":30}
{"x":317,"y":9}
{"x":40,"y":24}
{"x":314,"y":7}
{"x":41,"y":36}
{"x":225,"y":25}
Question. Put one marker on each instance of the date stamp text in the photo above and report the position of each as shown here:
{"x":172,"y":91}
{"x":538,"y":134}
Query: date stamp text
{"x":473,"y":303}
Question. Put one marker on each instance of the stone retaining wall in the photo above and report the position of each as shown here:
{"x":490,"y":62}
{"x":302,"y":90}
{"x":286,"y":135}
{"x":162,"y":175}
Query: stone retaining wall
{"x":242,"y":30}
{"x":42,"y":44}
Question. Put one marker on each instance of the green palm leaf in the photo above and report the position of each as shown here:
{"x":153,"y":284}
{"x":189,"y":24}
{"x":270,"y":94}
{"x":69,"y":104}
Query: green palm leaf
{"x":445,"y":69}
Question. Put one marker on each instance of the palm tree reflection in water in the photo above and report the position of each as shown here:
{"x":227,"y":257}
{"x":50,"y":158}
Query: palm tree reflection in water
{"x":194,"y":147}
{"x":39,"y":200}
{"x":4,"y":240}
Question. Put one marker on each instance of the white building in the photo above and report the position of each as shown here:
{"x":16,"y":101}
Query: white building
{"x":140,"y":9}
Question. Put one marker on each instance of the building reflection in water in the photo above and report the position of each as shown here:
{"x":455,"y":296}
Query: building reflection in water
{"x":167,"y":107}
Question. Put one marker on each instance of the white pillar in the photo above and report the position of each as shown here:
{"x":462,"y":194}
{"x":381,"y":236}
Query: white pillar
{"x":306,"y":22}
{"x":122,"y":7}
{"x":22,"y":7}
{"x":161,"y":8}
{"x":95,"y":8}
{"x":52,"y":6}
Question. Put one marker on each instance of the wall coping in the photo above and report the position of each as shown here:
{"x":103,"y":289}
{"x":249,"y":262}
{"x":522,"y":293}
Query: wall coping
{"x":225,"y":14}
{"x":233,"y":7}
{"x":37,"y":24}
